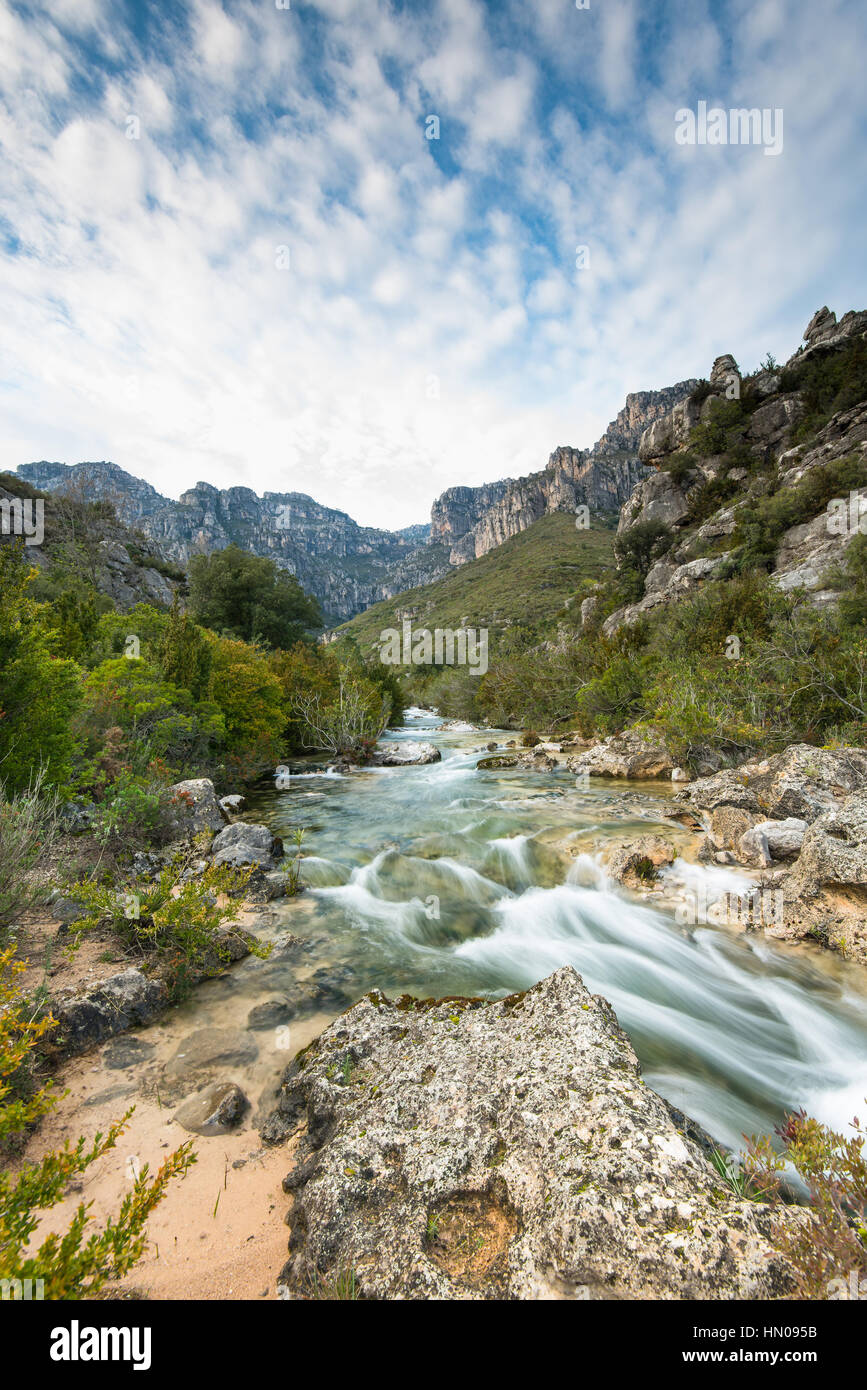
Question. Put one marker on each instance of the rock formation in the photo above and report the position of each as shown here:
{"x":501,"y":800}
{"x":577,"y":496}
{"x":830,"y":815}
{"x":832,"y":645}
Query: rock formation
{"x":473,"y":520}
{"x":458,"y":1149}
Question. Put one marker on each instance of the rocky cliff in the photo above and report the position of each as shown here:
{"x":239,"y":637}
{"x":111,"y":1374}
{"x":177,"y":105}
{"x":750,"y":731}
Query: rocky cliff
{"x":472,"y":521}
{"x":348,"y":567}
{"x":719,"y":453}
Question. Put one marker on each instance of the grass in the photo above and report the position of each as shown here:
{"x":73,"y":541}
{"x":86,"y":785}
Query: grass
{"x":522,"y":582}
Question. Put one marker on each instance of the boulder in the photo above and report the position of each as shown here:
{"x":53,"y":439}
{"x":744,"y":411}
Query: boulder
{"x":243,"y":843}
{"x":628,"y":754}
{"x":834,"y":847}
{"x":218,"y":1109}
{"x":465,"y":1150}
{"x":126,"y":1000}
{"x":657,"y":498}
{"x":801,"y":782}
{"x":201,"y":1056}
{"x":194,"y":808}
{"x":233,"y":803}
{"x":406,"y":754}
{"x":636,"y":863}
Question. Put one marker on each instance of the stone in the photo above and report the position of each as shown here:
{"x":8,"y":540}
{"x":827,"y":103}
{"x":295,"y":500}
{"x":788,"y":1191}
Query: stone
{"x":784,"y":837}
{"x":271,"y":1013}
{"x":801,"y":781}
{"x":466,"y":1150}
{"x":636,"y":863}
{"x":628,"y":754}
{"x":126,"y":1000}
{"x":194,"y":807}
{"x":126,"y":1052}
{"x":233,"y":803}
{"x":406,"y":754}
{"x":218,"y":1109}
{"x":242,"y":843}
{"x":201,"y":1055}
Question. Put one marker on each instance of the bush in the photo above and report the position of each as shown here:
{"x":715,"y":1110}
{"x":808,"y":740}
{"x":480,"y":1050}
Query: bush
{"x":828,"y":1254}
{"x":84,"y":1258}
{"x":172,"y":922}
{"x":135,"y":812}
{"x":29,"y":827}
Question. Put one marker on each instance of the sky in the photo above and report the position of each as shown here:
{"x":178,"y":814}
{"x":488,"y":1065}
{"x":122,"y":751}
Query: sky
{"x":234,"y":249}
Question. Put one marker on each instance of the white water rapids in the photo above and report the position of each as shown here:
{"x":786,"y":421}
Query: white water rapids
{"x":445,"y":879}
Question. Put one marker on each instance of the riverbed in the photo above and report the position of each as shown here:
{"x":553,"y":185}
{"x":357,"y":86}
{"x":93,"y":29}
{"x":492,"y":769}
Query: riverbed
{"x":448,"y":879}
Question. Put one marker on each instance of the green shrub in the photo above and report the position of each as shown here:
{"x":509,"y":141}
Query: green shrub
{"x":29,"y":828}
{"x":80,"y":1261}
{"x":172,"y":923}
{"x":829,"y":1253}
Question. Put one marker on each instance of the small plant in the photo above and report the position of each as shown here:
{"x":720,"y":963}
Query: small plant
{"x":29,"y":827}
{"x":174,"y":919}
{"x":833,"y":1246}
{"x":342,"y":1286}
{"x":529,"y":738}
{"x":82,"y":1260}
{"x":731,"y":1174}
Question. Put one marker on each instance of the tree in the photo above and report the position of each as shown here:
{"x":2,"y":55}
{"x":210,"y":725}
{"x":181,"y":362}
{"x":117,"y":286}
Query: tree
{"x":246,"y":596}
{"x":39,"y":691}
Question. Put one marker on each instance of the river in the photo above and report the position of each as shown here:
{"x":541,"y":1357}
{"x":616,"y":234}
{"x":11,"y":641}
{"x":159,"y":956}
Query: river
{"x":445,"y":879}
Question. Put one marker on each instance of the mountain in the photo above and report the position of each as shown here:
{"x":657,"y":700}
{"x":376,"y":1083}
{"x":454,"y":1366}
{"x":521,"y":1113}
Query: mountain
{"x":472,"y":521}
{"x":350,"y":567}
{"x":345,"y":565}
{"x":523,"y":582}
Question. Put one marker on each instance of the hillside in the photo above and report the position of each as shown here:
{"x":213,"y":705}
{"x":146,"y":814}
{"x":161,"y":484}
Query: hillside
{"x":523,"y":582}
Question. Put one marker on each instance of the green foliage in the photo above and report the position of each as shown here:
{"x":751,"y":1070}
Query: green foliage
{"x":173,"y":922}
{"x":636,"y":550}
{"x":80,"y":1261}
{"x":246,"y":596}
{"x":29,"y":827}
{"x":39,"y":691}
{"x":828,"y":382}
{"x":722,"y":430}
{"x":519,"y":585}
{"x":832,"y":1248}
{"x":760,"y":526}
{"x":134,"y":813}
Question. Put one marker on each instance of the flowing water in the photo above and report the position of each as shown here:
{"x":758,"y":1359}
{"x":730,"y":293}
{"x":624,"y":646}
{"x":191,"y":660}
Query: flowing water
{"x":445,"y":879}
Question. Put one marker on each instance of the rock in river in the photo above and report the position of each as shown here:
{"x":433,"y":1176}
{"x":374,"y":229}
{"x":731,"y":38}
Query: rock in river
{"x":406,"y":754}
{"x":458,"y":1149}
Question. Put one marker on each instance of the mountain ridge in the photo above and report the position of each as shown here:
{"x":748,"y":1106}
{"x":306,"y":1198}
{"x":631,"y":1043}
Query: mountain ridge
{"x":351,"y":567}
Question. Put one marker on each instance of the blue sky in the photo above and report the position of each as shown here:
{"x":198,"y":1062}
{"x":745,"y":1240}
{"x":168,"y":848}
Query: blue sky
{"x":282,"y":283}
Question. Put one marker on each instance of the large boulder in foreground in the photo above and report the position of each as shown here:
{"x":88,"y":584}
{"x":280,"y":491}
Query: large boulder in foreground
{"x":457,"y":1149}
{"x":625,"y":755}
{"x":406,"y":754}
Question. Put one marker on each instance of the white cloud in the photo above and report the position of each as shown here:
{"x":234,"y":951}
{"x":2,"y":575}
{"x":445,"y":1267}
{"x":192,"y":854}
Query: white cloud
{"x":148,"y":322}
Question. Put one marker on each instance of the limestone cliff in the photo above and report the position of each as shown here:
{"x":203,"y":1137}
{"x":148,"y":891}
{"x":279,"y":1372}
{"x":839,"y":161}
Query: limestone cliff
{"x":472,"y":521}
